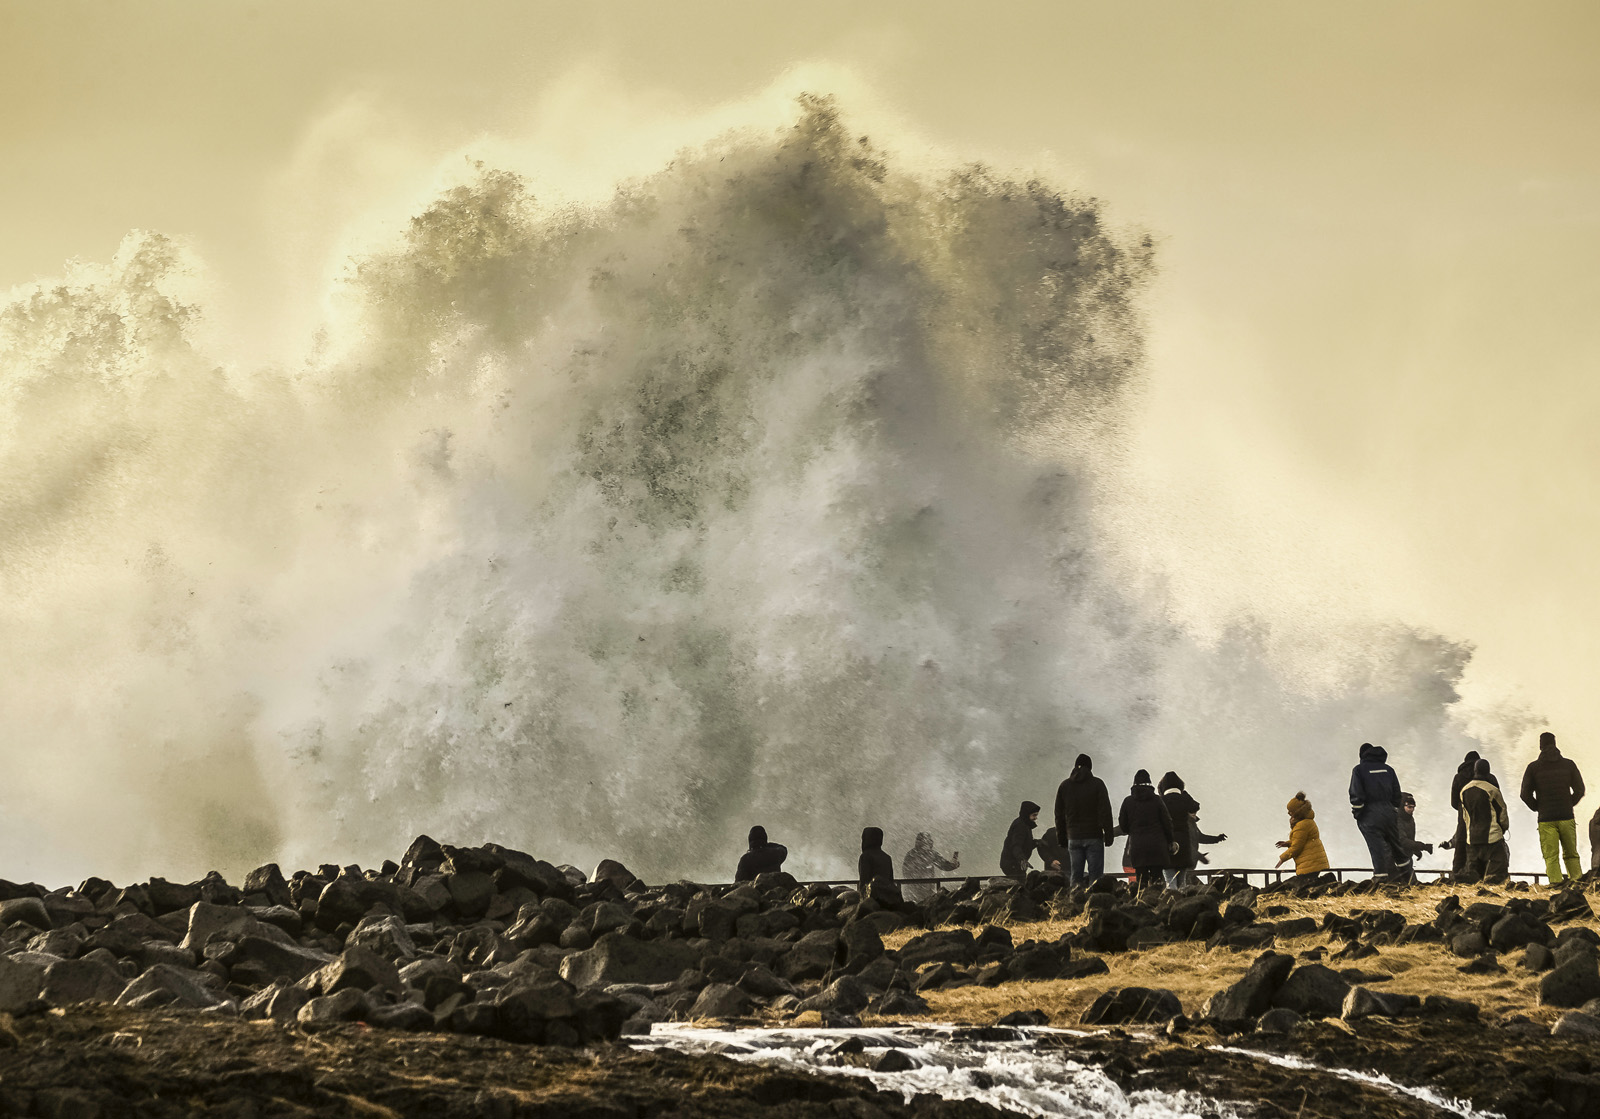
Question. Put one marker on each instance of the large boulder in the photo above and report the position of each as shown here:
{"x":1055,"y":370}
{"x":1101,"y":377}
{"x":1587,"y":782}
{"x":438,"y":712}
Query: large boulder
{"x":360,"y":968}
{"x":1313,"y":991}
{"x":1253,"y":993}
{"x":953,"y":946}
{"x":616,"y":958}
{"x":1132,"y":1004}
{"x":385,"y":936}
{"x":861,"y":944}
{"x":164,"y":985}
{"x":20,"y":984}
{"x":721,"y":1000}
{"x":209,"y":922}
{"x":813,"y":955}
{"x":73,"y":981}
{"x":845,"y":995}
{"x":257,"y":962}
{"x":348,"y":1005}
{"x":28,"y":910}
{"x":268,"y":881}
{"x":536,"y":1012}
{"x":1570,"y":984}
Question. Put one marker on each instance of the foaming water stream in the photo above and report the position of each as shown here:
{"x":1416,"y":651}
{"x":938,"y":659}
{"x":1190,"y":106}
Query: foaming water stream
{"x":999,"y":1066}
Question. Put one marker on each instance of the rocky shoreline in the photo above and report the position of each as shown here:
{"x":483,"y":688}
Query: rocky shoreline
{"x":472,"y":962}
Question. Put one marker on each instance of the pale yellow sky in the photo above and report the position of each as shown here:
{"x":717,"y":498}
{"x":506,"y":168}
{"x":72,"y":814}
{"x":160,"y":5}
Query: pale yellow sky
{"x":1374,"y":346}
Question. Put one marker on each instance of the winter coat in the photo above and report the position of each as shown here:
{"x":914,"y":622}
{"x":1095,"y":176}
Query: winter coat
{"x":1019,"y":845}
{"x":1083,"y":807}
{"x":760,"y":860}
{"x":1374,"y":787}
{"x":1052,"y":850}
{"x":1305,"y":840}
{"x":1464,"y":773}
{"x":1551,"y":785}
{"x":874,"y":865}
{"x":1150,"y":833}
{"x":1408,"y":834}
{"x":1180,"y":805}
{"x":925,"y":862}
{"x":1485,"y":810}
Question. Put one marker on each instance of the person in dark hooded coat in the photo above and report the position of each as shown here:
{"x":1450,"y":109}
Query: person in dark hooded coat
{"x":1551,"y":786}
{"x":1083,"y":822}
{"x":1181,"y":809}
{"x":1020,"y":844}
{"x":875,"y":865}
{"x":1465,"y":772}
{"x":761,"y":857}
{"x":1375,"y":803}
{"x":1152,"y":839}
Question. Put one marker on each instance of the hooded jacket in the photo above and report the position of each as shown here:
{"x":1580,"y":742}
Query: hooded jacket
{"x":1551,"y":784}
{"x":1083,"y":807}
{"x":1148,"y":826}
{"x":1020,"y":844}
{"x":1485,"y":810}
{"x":875,"y":865}
{"x":1305,"y":839}
{"x":922,"y":861}
{"x":1464,"y":773}
{"x":1180,"y":806}
{"x":761,"y":857}
{"x":1374,"y":788}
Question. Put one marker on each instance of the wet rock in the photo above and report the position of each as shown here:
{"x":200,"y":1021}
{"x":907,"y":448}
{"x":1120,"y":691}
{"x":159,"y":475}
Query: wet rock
{"x":1253,"y":993}
{"x":1570,"y":984}
{"x":893,"y":1060}
{"x":257,"y":962}
{"x":163,"y":985}
{"x":899,"y":1003}
{"x":1278,"y":1020}
{"x":348,"y":1005}
{"x":385,"y":936}
{"x":359,"y":968}
{"x":30,"y":911}
{"x":845,"y":995}
{"x":1576,"y":1024}
{"x":1132,"y":1004}
{"x":616,"y":958}
{"x":1024,"y":1018}
{"x":1313,"y":991}
{"x":73,"y":981}
{"x":722,"y":1000}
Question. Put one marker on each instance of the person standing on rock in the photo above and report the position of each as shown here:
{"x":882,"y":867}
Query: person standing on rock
{"x":1304,"y":844}
{"x":761,"y":857}
{"x":1408,"y":835}
{"x":922,"y":861}
{"x":1020,"y":844}
{"x":1487,"y":823}
{"x":875,"y":866}
{"x":1083,"y":823}
{"x":1152,"y":839}
{"x":1375,"y":803}
{"x":1458,"y":842}
{"x":1184,"y":811}
{"x":1551,"y":786}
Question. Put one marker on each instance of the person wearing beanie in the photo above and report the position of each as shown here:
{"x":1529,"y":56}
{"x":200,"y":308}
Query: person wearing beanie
{"x":1375,"y":803}
{"x":922,"y":861}
{"x":1152,"y":839}
{"x":1487,"y":824}
{"x":1020,"y":844}
{"x":761,"y":857}
{"x":875,"y":868}
{"x":1408,"y":834}
{"x":1083,"y":823}
{"x":1304,"y":844}
{"x":1551,"y":786}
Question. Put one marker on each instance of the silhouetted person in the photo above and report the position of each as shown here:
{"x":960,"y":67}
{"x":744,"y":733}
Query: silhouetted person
{"x":1594,"y":840}
{"x":1458,"y":841}
{"x":1375,"y":803}
{"x":1020,"y":844}
{"x":1184,"y":811}
{"x":1551,"y":786}
{"x":761,"y":857}
{"x":874,"y":866}
{"x":1304,"y":844}
{"x":1487,"y":823}
{"x":1196,"y":838}
{"x":1408,"y":834}
{"x":1053,"y":853}
{"x":1151,"y":839}
{"x":1083,"y":822}
{"x":922,"y":861}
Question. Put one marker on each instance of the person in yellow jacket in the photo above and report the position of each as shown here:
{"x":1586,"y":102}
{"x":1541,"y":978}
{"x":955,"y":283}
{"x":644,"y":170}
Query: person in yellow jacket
{"x":1304,"y":844}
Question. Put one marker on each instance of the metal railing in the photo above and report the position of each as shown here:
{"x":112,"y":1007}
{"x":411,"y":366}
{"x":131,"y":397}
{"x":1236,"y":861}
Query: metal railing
{"x":1268,"y":876}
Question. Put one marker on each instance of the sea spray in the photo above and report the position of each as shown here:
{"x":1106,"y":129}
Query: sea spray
{"x":764,"y":492}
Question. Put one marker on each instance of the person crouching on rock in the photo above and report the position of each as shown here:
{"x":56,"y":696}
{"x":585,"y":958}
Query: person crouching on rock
{"x":761,"y":858}
{"x":1020,"y":844}
{"x":1152,"y":841}
{"x":1484,"y":807}
{"x":1304,"y":844}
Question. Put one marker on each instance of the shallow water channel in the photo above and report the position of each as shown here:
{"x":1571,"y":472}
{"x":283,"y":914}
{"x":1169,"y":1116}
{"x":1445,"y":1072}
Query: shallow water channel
{"x":1006,"y":1067}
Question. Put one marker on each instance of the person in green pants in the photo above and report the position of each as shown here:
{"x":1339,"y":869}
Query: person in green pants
{"x":1551,"y":786}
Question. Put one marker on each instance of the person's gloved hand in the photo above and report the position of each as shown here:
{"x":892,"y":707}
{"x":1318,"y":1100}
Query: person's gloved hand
{"x":1202,"y":857}
{"x":1222,"y":837}
{"x":1109,"y":841}
{"x":1428,"y":847}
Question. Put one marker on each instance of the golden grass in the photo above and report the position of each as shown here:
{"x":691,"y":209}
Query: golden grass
{"x":1194,"y":974}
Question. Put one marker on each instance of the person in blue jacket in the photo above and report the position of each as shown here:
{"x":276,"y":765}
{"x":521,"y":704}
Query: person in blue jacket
{"x":1375,"y":802}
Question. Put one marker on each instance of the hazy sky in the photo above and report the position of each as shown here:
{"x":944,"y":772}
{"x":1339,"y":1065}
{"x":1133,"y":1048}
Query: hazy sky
{"x":1373,"y":383}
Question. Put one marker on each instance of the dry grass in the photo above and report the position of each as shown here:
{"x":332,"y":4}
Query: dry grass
{"x":1194,"y":974}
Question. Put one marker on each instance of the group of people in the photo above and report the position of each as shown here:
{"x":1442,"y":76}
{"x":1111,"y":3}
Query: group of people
{"x":1161,"y":828}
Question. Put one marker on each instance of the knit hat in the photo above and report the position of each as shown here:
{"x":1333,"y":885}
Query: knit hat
{"x":1169,"y":780}
{"x":1142,"y":777}
{"x":1300,"y":808}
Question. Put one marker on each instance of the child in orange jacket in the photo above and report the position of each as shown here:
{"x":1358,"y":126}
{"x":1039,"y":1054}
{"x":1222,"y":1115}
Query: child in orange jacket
{"x":1304,"y":844}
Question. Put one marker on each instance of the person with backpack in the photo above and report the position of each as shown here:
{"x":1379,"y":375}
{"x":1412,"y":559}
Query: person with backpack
{"x":1551,"y":786}
{"x":1375,"y":803}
